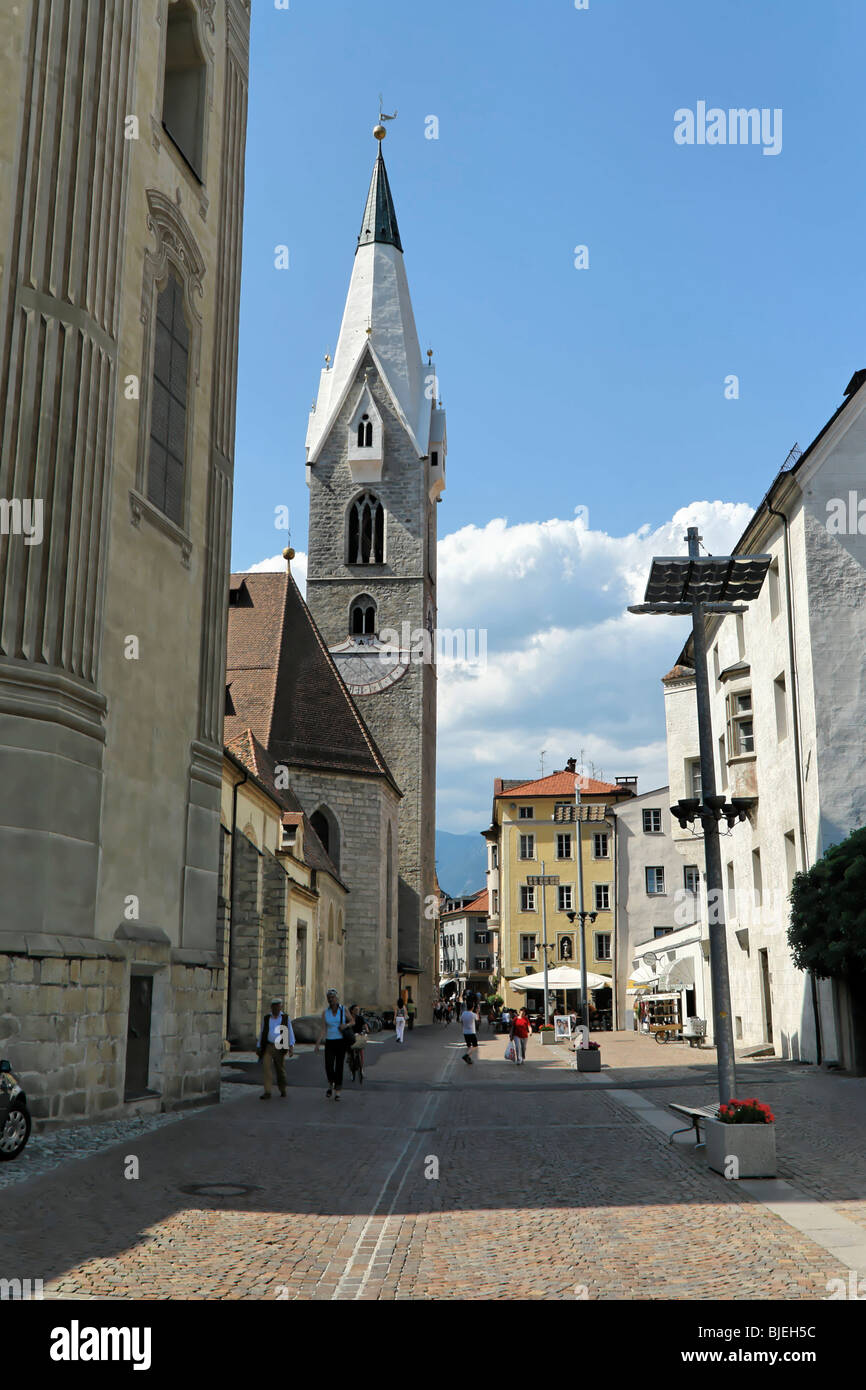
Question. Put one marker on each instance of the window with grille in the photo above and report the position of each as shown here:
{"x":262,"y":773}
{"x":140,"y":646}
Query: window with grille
{"x":527,"y":847}
{"x":563,"y":846}
{"x":693,"y":778}
{"x":366,"y":531}
{"x":527,"y":947}
{"x":600,"y":847}
{"x":167,"y":451}
{"x":526,"y":812}
{"x":741,"y":730}
{"x":602,"y":945}
{"x":655,"y":880}
{"x":652,"y":822}
{"x":564,"y":896}
{"x":527,"y":899}
{"x":602,"y":896}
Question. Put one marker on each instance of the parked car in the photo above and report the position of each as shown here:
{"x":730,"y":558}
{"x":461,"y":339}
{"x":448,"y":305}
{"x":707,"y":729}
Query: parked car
{"x":15,"y":1121}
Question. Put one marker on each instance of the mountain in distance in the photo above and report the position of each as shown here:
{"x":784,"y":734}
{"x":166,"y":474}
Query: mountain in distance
{"x":461,"y":863}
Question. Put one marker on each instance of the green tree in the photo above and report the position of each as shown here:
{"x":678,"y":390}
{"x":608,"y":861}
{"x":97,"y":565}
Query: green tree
{"x":827,"y":930}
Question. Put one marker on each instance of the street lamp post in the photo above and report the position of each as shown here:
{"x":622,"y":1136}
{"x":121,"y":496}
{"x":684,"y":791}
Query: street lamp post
{"x":544,"y":941}
{"x":584,"y":1003}
{"x":696,"y":586}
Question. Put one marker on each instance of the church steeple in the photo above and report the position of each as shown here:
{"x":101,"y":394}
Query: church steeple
{"x":377,"y":320}
{"x":380,"y":219}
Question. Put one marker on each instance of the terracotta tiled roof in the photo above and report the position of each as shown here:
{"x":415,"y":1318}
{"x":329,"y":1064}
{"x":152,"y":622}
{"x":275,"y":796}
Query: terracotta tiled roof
{"x":247,"y":751}
{"x":285,"y":687}
{"x":477,"y":904}
{"x":678,"y":673}
{"x":557,"y":784}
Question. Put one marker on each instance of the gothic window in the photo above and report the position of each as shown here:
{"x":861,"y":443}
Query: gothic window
{"x":167,"y":450}
{"x":184,"y":85}
{"x":365,"y":432}
{"x":366,"y":531}
{"x":362,"y":616}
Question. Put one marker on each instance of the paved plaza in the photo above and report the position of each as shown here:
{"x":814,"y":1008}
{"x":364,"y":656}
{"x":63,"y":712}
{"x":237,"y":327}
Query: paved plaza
{"x":438,"y":1181}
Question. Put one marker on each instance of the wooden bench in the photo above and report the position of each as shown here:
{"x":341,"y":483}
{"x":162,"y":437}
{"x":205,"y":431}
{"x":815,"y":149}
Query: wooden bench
{"x":696,"y":1113}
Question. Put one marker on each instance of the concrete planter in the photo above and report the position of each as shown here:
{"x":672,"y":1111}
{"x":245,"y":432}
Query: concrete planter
{"x":588,"y":1059}
{"x":548,"y":1039}
{"x":753,"y":1147}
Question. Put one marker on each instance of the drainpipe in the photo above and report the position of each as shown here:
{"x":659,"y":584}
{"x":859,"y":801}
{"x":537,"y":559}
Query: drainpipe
{"x":231,"y":897}
{"x":795,"y":710}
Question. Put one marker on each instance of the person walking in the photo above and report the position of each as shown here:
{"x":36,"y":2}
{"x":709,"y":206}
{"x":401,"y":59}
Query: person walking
{"x":520,"y":1030}
{"x":400,"y":1019}
{"x":469,"y":1022}
{"x":411,"y":1011}
{"x":276,"y":1041}
{"x":335,"y":1022}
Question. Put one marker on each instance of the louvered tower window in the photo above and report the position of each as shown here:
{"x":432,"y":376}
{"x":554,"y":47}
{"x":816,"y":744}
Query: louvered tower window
{"x":366,"y":531}
{"x":168,"y":411}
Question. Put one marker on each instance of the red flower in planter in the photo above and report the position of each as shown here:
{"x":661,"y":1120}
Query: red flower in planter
{"x":746,"y":1112}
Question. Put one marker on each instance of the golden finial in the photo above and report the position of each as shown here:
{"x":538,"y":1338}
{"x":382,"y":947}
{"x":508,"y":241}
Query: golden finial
{"x":288,"y":556}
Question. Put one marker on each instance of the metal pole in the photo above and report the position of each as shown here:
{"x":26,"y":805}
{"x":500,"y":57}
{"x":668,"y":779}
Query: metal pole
{"x":584,"y":1006}
{"x":544,"y":937}
{"x":723,"y":1030}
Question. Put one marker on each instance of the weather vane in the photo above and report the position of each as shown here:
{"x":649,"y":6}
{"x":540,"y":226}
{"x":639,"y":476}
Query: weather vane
{"x":379,"y":130}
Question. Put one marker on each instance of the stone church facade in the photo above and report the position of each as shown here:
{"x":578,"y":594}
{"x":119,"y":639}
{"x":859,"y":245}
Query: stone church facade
{"x":376,"y":468}
{"x":122,"y":133}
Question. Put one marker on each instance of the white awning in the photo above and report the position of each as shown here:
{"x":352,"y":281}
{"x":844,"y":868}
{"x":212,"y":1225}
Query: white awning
{"x":681,"y":974}
{"x":563,"y":977}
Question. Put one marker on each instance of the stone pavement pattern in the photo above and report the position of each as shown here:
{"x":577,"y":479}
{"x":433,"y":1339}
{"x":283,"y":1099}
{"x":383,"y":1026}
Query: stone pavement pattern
{"x":546,"y":1189}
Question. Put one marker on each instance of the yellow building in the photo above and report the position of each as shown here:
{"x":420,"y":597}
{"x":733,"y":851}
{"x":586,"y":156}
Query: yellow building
{"x":534,"y":832}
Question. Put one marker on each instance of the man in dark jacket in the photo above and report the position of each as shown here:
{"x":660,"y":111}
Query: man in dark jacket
{"x":277,"y":1039}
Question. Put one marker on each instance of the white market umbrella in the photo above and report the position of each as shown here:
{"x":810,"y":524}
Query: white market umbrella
{"x":562,"y":977}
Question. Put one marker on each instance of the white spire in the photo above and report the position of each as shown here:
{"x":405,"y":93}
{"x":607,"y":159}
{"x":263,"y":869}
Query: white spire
{"x":378,"y":315}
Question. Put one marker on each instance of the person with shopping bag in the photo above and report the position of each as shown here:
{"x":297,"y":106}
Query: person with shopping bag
{"x":520,"y":1030}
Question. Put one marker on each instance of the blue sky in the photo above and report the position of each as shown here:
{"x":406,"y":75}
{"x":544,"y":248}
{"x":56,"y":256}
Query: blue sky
{"x":602,"y":387}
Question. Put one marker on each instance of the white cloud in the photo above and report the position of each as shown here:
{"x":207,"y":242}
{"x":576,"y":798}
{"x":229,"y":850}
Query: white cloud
{"x":276,"y":562}
{"x":568,"y":669}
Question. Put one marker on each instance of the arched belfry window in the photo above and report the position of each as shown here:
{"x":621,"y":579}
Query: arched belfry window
{"x":366,"y":531}
{"x":362,"y":616}
{"x":365,"y":432}
{"x":325,"y":825}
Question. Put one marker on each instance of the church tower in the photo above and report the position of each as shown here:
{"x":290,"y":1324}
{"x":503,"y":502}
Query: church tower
{"x":376,"y":469}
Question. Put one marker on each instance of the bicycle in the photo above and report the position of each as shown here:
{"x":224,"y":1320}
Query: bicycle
{"x":355,"y":1058}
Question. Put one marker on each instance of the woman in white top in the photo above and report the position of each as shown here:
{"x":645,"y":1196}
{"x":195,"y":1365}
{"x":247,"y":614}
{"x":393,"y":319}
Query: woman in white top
{"x":400,"y":1020}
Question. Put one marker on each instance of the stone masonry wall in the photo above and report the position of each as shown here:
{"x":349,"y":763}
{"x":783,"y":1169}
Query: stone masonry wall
{"x":245,"y":985}
{"x":363,"y":808}
{"x":64,"y":1021}
{"x":401,"y":718}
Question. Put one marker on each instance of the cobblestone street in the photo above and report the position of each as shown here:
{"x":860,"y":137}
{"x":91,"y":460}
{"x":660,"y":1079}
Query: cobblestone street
{"x":548,"y":1187}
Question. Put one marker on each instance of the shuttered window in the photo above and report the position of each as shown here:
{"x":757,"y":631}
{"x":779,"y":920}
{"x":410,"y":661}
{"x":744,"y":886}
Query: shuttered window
{"x":168,"y":407}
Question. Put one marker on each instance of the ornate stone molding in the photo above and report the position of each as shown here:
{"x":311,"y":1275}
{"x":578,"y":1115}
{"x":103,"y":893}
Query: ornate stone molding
{"x":174,"y":242}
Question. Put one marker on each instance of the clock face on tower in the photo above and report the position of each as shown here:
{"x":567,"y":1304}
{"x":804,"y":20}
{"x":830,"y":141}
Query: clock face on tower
{"x":369,"y":666}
